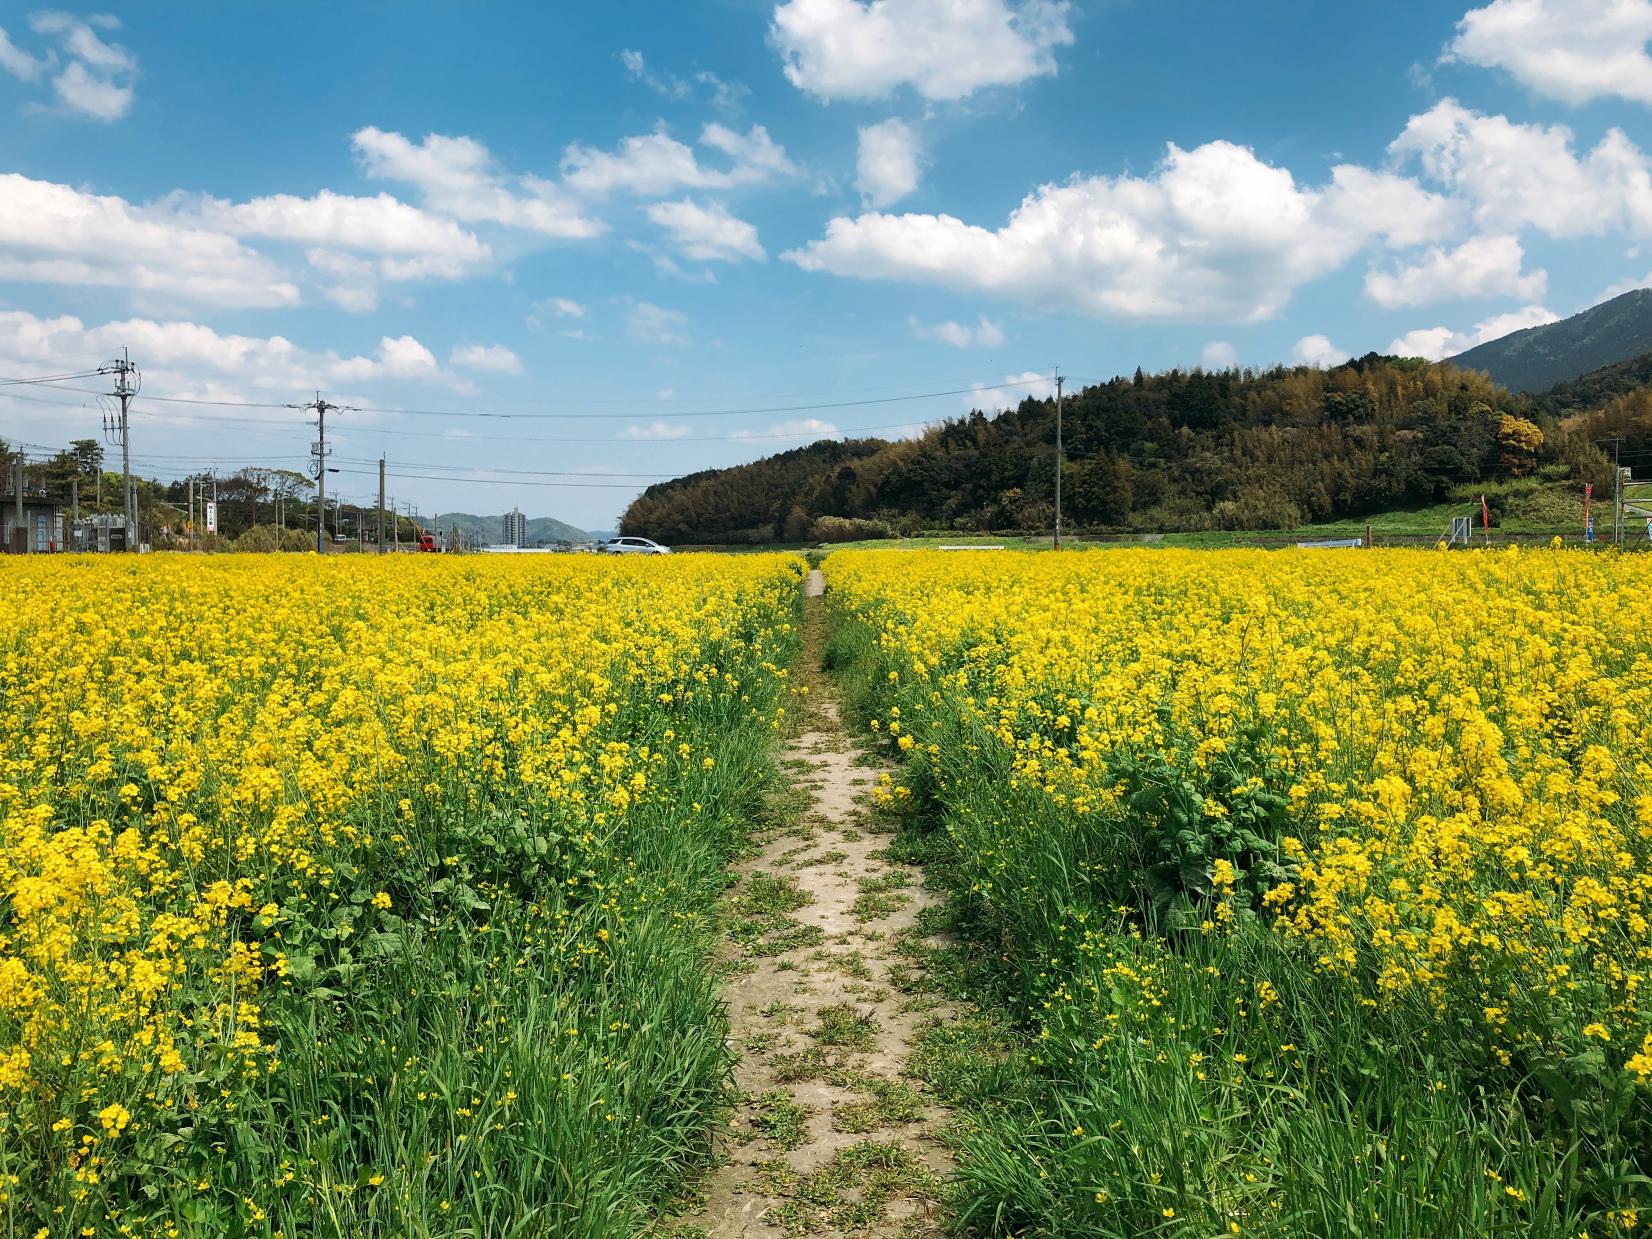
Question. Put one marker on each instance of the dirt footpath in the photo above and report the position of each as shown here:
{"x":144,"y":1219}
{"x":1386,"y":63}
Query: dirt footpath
{"x":833,"y":1135}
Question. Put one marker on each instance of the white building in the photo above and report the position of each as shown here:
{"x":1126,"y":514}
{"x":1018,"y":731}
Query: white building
{"x":516,"y":528}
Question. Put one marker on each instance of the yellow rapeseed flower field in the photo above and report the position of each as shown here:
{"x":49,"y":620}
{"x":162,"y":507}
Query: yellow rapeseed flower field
{"x":331,"y":888}
{"x":1370,"y":830}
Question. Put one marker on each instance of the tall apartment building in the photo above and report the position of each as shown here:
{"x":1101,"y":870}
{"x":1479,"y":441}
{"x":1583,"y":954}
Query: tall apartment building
{"x":516,"y":528}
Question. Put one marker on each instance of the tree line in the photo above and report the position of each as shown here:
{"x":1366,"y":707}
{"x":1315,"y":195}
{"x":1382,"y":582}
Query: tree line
{"x":258,"y":509}
{"x":1182,"y":450}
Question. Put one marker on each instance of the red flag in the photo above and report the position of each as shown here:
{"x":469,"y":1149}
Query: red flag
{"x":1485,"y":515}
{"x":1588,"y":494}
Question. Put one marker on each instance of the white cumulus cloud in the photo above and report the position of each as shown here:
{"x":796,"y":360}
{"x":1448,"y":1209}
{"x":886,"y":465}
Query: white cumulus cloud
{"x":985,"y":334}
{"x":458,"y":176}
{"x":54,"y":234}
{"x":193,"y":359}
{"x":1485,"y":266}
{"x":1213,"y":234}
{"x":707,"y":233}
{"x":1219,"y":355}
{"x":1571,"y":50}
{"x":886,"y":168}
{"x":490,"y":358}
{"x":96,"y":76}
{"x":656,"y":163}
{"x":1317,"y":351}
{"x":1517,"y":175}
{"x":405,"y":357}
{"x":943,"y":49}
{"x":1435,"y":343}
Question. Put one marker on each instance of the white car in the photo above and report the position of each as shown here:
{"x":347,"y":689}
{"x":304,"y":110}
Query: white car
{"x":634,"y":546}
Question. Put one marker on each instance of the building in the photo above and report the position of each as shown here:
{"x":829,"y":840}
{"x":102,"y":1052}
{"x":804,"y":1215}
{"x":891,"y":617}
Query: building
{"x":516,"y":528}
{"x":101,"y":531}
{"x":35,"y":525}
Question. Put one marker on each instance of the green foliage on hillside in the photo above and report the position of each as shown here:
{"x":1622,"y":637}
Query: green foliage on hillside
{"x":1596,"y":388}
{"x":1184,"y":450}
{"x":1537,"y":358}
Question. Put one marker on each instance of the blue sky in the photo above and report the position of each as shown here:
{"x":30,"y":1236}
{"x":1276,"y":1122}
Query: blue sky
{"x":649,"y":233}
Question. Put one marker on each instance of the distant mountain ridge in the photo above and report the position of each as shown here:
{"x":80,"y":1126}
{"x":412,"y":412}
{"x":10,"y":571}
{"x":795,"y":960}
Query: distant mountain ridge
{"x":491,"y":529}
{"x":1538,"y":358}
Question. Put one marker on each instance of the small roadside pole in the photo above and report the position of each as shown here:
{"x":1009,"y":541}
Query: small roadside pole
{"x":1058,"y":457}
{"x":1367,"y":535}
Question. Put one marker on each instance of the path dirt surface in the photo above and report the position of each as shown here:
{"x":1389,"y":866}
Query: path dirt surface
{"x":833,"y":1136}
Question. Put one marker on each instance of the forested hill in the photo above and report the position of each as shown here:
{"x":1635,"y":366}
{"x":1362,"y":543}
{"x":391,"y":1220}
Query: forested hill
{"x":1234,"y":449}
{"x":1537,"y":358}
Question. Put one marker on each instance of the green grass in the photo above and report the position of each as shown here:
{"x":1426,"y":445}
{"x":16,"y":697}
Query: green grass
{"x":843,"y":1025}
{"x":850,"y":1193}
{"x":758,"y":920}
{"x":780,"y":1119}
{"x":883,"y":1104}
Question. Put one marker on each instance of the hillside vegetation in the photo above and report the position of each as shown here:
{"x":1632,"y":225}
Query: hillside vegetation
{"x":1180,"y":451}
{"x":1537,"y":358}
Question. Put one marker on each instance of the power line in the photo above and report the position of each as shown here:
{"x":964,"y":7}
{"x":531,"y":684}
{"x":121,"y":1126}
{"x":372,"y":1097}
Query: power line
{"x":972,"y":385}
{"x":429,"y":477}
{"x":48,"y":378}
{"x":278,"y":427}
{"x":765,"y":410}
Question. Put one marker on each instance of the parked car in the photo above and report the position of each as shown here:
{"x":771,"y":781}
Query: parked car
{"x":634,"y":546}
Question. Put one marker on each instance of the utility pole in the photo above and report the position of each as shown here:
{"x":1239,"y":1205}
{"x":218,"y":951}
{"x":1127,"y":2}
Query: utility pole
{"x":74,"y":509}
{"x":22,"y":530}
{"x":1617,"y":492}
{"x":381,"y":505}
{"x":1058,"y":458}
{"x":127,"y":381}
{"x":396,"y":524}
{"x":192,"y":511}
{"x":318,"y":467}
